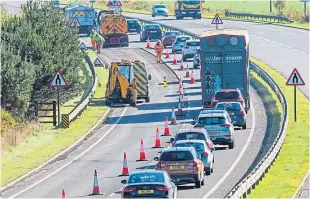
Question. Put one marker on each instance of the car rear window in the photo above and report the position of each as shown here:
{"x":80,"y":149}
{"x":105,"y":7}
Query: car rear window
{"x":172,"y":33}
{"x":182,"y":39}
{"x":152,"y":27}
{"x":176,"y":156}
{"x":132,"y":22}
{"x":190,"y":136}
{"x":159,"y":6}
{"x":146,"y":177}
{"x":227,"y":95}
{"x":193,"y":43}
{"x":211,"y":120}
{"x":229,"y":106}
{"x":197,"y":146}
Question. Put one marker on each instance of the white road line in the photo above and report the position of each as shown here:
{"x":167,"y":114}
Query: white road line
{"x":83,"y":153}
{"x":238,"y":158}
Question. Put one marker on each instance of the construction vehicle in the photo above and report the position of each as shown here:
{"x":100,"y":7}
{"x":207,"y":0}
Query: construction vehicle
{"x":142,"y":80}
{"x":188,"y":8}
{"x":113,"y":28}
{"x":121,"y":86}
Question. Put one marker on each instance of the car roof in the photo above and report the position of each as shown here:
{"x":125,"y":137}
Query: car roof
{"x":160,"y":4}
{"x":180,"y":36}
{"x":191,"y":40}
{"x":194,"y":130}
{"x":212,"y":115}
{"x":132,"y":20}
{"x":172,"y":31}
{"x":192,"y":141}
{"x":213,"y":111}
{"x":177,"y":149}
{"x":232,"y":102}
{"x":146,"y":171}
{"x":228,"y":90}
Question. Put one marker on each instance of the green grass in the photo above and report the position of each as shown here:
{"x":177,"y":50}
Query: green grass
{"x":292,"y":164}
{"x":49,"y":141}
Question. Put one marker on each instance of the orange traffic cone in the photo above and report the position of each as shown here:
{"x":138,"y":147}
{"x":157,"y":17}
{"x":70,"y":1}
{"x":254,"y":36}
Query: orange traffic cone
{"x":181,"y":66}
{"x":187,"y":71}
{"x":63,"y":194}
{"x":167,"y":53}
{"x":180,"y":111}
{"x":157,"y":141}
{"x":167,"y":130}
{"x":125,"y":171}
{"x":175,"y":59}
{"x":96,"y":189}
{"x":173,"y":118}
{"x":148,"y":43}
{"x":142,"y":152}
{"x":192,"y":81}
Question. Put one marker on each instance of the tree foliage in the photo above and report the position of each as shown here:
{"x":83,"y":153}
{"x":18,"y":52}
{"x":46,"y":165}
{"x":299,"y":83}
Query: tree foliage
{"x":34,"y":46}
{"x":280,"y":6}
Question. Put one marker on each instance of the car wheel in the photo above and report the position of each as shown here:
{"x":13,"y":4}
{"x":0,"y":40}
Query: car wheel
{"x":184,"y":58}
{"x":203,"y":182}
{"x":153,"y":15}
{"x":108,"y":103}
{"x":133,"y":104}
{"x":231,"y":145}
{"x":147,"y":99}
{"x":212,"y":169}
{"x":208,"y":171}
{"x":244,"y":126}
{"x":198,"y":184}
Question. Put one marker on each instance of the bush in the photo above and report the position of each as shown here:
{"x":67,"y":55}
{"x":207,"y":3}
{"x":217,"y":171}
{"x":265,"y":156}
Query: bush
{"x":7,"y":121}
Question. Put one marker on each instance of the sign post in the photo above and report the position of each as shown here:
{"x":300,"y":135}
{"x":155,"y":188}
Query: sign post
{"x":295,"y":80}
{"x":58,"y":82}
{"x":305,"y":7}
{"x":217,"y":20}
{"x":92,"y":2}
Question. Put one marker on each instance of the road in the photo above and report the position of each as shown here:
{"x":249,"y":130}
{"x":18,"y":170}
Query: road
{"x":281,"y":48}
{"x":122,"y":132}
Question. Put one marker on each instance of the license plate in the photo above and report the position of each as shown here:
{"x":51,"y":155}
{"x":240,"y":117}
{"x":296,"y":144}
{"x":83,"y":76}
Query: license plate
{"x":145,"y":191}
{"x":191,"y":12}
{"x":132,"y":29}
{"x":232,"y":113}
{"x":213,"y":134}
{"x":153,"y":31}
{"x":176,"y":167}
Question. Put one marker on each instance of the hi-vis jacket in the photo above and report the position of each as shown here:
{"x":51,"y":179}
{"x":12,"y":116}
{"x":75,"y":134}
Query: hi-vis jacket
{"x":158,"y":48}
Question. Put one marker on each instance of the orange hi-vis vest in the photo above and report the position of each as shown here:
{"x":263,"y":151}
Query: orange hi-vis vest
{"x":158,"y":48}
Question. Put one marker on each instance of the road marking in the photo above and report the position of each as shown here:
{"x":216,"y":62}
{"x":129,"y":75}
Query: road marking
{"x":238,"y":158}
{"x":76,"y":158}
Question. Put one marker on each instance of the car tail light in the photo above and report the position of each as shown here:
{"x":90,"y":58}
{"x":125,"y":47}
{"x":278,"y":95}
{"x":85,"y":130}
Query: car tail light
{"x":162,"y":188}
{"x":242,"y":112}
{"x":227,"y":134}
{"x":160,"y":165}
{"x":205,"y":154}
{"x":129,"y":189}
{"x":225,"y":125}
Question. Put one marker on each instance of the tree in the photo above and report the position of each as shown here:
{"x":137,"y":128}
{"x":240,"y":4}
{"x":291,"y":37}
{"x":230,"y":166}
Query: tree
{"x":280,"y":6}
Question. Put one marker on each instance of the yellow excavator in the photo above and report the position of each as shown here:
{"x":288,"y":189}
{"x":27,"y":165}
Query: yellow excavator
{"x":121,"y":86}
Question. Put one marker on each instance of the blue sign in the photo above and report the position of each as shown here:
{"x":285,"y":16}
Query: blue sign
{"x":218,"y":83}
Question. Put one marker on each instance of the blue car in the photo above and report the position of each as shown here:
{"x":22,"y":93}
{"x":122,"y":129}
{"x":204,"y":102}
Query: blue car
{"x":134,"y":25}
{"x":151,"y":31}
{"x":179,"y":42}
{"x":203,"y":151}
{"x":160,"y":10}
{"x":236,"y":111}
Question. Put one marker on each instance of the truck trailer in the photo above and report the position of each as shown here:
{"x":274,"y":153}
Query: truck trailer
{"x":188,"y":8}
{"x":224,"y":63}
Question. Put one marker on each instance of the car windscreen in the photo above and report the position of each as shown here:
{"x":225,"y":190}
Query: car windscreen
{"x":190,"y":136}
{"x":193,"y":43}
{"x":152,"y":27}
{"x":132,"y":22}
{"x":159,"y":6}
{"x":197,"y":146}
{"x":182,"y":39}
{"x":146,"y":177}
{"x":176,"y":156}
{"x":171,"y":33}
{"x":229,"y":106}
{"x":211,"y":120}
{"x":227,"y":95}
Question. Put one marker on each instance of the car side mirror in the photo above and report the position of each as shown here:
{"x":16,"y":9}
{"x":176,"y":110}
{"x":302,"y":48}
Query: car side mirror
{"x":171,"y":140}
{"x":124,"y":181}
{"x":156,"y":159}
{"x":150,"y":77}
{"x":193,"y":122}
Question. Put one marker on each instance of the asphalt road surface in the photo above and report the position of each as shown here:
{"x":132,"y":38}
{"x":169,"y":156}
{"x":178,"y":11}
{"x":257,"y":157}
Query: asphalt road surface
{"x":124,"y":128}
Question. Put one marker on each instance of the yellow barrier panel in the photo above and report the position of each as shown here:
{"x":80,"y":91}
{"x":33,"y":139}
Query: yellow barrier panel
{"x":65,"y":120}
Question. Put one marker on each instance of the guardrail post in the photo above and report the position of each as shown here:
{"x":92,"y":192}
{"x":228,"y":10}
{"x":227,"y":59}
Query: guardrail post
{"x":244,"y":195}
{"x":65,"y":120}
{"x":36,"y":111}
{"x":54,"y":113}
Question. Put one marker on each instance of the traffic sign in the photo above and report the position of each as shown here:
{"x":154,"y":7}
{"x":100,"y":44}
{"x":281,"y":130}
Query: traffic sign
{"x":98,"y":62}
{"x":75,"y":22}
{"x":217,"y":19}
{"x":295,"y":79}
{"x":114,"y":3}
{"x":218,"y":83}
{"x":58,"y":80}
{"x":82,"y":46}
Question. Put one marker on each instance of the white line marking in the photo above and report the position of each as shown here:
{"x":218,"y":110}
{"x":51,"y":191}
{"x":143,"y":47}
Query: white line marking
{"x":77,"y":157}
{"x":112,"y":194}
{"x":238,"y":158}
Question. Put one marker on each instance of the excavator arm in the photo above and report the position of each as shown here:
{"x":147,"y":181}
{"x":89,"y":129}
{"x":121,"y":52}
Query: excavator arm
{"x":123,"y":82}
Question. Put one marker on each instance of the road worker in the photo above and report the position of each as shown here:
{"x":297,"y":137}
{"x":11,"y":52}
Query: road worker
{"x":99,"y":42}
{"x":92,"y":39}
{"x":159,"y":50}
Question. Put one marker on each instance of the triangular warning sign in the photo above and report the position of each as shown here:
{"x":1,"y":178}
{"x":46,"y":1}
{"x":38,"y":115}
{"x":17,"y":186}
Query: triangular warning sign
{"x":58,"y":80}
{"x":217,"y":20}
{"x":295,"y":79}
{"x":75,"y":22}
{"x":114,"y":3}
{"x":82,"y":46}
{"x":98,"y":62}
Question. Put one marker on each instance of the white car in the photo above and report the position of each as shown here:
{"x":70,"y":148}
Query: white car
{"x":190,"y":48}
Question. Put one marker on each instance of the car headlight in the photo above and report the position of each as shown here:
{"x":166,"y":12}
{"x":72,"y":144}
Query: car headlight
{"x":183,"y":12}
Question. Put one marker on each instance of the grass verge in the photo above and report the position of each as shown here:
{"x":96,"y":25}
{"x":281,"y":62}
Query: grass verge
{"x":292,"y":163}
{"x":48,"y":142}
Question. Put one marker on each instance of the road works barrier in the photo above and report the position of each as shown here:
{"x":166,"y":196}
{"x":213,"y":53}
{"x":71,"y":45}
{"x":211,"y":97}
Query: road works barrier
{"x":248,"y":183}
{"x":257,"y":16}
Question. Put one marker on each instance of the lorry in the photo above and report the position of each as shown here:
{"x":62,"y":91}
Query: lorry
{"x":188,"y":8}
{"x":81,"y":15}
{"x":121,"y":86}
{"x":224,"y":63}
{"x":113,"y":28}
{"x":142,"y":80}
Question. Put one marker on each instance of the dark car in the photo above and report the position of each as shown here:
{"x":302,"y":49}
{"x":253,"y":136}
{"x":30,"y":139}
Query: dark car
{"x":134,"y":25}
{"x":151,"y":31}
{"x":228,"y":95}
{"x":169,"y":37}
{"x":149,"y":183}
{"x":235,"y":111}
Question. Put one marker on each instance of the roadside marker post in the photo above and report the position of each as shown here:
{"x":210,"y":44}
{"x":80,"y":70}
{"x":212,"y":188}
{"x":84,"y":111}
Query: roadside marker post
{"x":217,"y":20}
{"x":58,"y":82}
{"x":295,"y":79}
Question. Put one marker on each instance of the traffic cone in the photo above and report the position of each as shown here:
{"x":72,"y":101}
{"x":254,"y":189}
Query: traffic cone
{"x":96,"y":189}
{"x":187,"y":71}
{"x":125,"y":171}
{"x":63,"y":194}
{"x":181,"y":66}
{"x":167,"y":53}
{"x":142,"y":152}
{"x":181,"y":101}
{"x":148,"y":43}
{"x":167,"y":130}
{"x":175,"y":59}
{"x":173,"y":118}
{"x":157,"y":141}
{"x":180,"y":111}
{"x":192,"y":81}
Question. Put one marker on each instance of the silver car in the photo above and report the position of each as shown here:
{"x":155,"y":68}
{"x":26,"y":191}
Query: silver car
{"x":219,"y":127}
{"x":189,"y":49}
{"x":179,"y":42}
{"x":160,"y":10}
